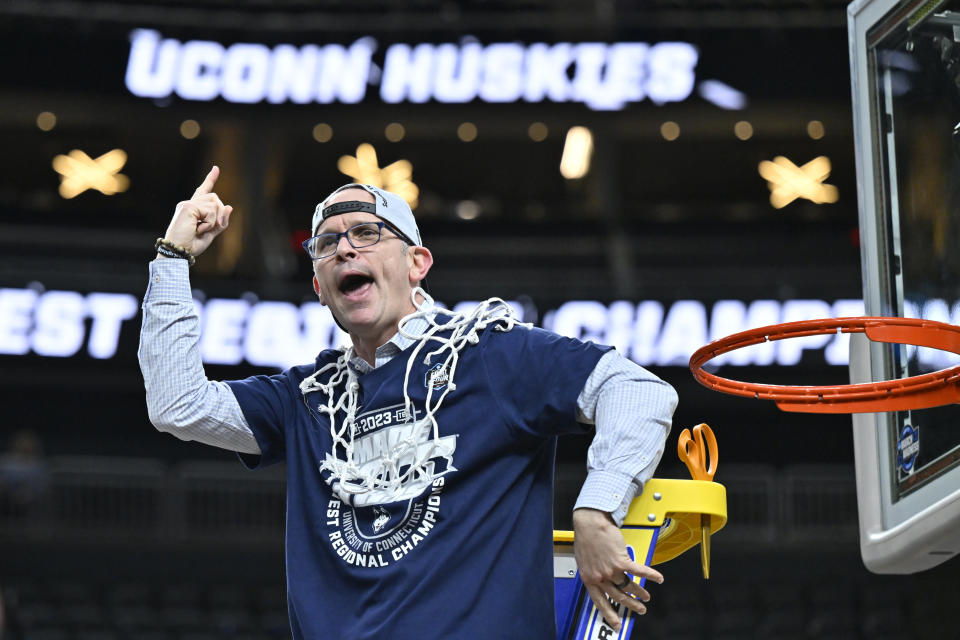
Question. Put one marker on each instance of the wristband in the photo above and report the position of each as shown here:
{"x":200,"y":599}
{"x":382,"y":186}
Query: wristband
{"x":170,"y":250}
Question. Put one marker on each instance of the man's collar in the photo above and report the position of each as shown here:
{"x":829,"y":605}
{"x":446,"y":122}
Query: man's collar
{"x":415,"y":327}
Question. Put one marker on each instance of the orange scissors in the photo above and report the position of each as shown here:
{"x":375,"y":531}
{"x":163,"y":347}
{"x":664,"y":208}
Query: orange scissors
{"x":693,"y":451}
{"x":696,"y":451}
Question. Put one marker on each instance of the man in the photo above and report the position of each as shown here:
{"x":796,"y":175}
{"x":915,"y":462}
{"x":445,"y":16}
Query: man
{"x":420,"y":459}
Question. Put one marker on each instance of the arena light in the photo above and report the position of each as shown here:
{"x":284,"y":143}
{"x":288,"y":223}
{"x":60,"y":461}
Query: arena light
{"x":577,"y":151}
{"x":722,"y":95}
{"x":46,"y":120}
{"x":79,"y":172}
{"x":538,"y":131}
{"x":468,"y":209}
{"x":322,"y":132}
{"x":787,"y":181}
{"x":467,"y":132}
{"x":670,"y":130}
{"x":396,"y":177}
{"x":394,"y":132}
{"x":743,"y":130}
{"x":189,"y":129}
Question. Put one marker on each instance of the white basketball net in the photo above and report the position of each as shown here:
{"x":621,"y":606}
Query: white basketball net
{"x":410,"y":459}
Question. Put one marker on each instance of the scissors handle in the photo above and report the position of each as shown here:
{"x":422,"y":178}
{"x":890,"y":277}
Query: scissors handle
{"x":697,"y":450}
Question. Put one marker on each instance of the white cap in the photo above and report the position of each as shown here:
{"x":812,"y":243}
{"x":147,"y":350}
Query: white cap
{"x":386,"y":205}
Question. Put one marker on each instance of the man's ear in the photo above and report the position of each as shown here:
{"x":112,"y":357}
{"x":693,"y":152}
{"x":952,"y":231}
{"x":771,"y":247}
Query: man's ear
{"x":316,"y":289}
{"x":420,"y":262}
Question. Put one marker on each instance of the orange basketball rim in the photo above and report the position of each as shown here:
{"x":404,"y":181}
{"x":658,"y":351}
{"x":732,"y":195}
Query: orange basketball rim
{"x":917,"y":392}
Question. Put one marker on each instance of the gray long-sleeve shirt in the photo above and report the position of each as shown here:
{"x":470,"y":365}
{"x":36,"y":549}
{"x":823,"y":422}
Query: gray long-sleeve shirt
{"x":630,"y":407}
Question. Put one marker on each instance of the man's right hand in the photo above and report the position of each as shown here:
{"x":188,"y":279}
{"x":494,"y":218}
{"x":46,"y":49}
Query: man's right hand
{"x":197,"y":221}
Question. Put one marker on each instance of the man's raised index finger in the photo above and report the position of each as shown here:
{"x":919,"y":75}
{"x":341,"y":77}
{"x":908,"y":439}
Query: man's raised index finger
{"x":207,"y":185}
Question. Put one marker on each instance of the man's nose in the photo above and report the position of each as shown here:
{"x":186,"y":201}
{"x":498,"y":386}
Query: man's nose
{"x":344,"y":248}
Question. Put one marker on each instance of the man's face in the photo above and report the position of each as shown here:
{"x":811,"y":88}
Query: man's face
{"x":367,"y":289}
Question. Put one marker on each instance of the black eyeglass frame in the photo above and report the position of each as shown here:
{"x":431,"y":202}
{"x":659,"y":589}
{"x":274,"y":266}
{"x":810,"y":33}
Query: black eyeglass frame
{"x":380,"y":224}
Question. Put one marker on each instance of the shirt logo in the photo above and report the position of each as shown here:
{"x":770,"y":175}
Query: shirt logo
{"x":378,"y":436}
{"x":383,"y":517}
{"x":377,"y":537}
{"x":436,"y":377}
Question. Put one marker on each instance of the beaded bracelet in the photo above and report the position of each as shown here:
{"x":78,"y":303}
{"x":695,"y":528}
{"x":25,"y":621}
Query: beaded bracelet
{"x":170,"y":250}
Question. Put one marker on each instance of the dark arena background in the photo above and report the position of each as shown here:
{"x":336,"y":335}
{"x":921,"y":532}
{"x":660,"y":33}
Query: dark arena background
{"x":624,"y":171}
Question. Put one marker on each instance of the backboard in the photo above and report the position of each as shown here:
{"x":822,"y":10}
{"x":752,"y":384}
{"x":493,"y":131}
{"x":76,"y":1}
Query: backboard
{"x":905,"y":75}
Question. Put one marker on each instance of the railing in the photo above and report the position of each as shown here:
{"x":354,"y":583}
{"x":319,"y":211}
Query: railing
{"x":147,"y":501}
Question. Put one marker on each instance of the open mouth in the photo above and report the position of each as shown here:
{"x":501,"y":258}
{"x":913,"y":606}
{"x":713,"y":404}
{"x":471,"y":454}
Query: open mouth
{"x":354,"y":282}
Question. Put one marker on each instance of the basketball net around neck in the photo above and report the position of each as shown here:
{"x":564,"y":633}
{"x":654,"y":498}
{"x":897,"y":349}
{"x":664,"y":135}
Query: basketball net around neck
{"x":407,"y":468}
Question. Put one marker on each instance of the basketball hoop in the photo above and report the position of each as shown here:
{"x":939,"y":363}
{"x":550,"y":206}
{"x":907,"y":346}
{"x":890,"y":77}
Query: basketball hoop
{"x":917,"y":392}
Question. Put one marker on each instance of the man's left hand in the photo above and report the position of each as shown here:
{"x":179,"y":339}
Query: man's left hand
{"x":603,"y":563}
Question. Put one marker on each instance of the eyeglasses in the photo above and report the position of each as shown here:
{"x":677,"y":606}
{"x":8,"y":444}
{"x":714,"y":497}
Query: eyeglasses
{"x":361,"y":235}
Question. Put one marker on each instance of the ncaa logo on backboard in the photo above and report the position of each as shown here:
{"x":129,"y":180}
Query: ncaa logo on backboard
{"x":436,"y":377}
{"x":908,"y":448}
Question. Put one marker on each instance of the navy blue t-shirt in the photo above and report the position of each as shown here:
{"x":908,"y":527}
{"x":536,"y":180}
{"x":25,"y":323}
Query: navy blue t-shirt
{"x":471,"y":554}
